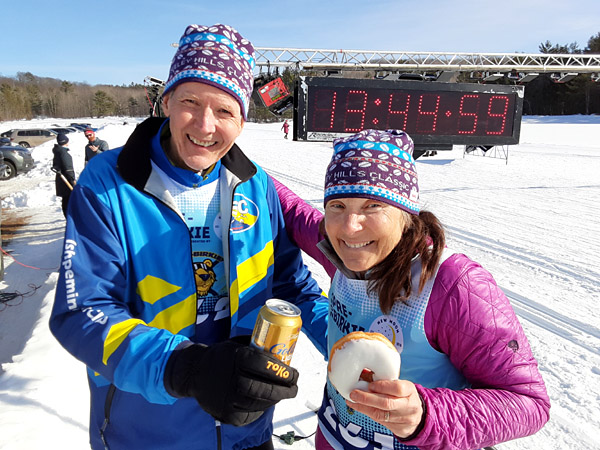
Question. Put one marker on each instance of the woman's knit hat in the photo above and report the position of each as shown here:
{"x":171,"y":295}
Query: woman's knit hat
{"x":375,"y":164}
{"x":216,"y":55}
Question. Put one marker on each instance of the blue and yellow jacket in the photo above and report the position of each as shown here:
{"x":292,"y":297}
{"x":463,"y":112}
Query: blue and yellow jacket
{"x":126,"y":295}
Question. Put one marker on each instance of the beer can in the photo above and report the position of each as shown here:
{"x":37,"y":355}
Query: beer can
{"x":277,"y":329}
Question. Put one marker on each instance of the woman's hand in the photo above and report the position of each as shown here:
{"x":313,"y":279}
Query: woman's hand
{"x":393,"y":403}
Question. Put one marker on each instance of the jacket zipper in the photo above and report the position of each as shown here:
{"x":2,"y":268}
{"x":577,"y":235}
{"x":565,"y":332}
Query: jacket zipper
{"x":218,"y":427}
{"x":107,"y":407}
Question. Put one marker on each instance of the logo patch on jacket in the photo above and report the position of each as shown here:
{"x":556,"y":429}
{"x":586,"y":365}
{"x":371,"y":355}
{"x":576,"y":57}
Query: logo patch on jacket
{"x":205,"y":276}
{"x":244,"y":214}
{"x":391,"y":329}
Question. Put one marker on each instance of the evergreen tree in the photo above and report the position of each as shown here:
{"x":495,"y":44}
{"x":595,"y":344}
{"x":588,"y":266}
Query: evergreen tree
{"x":104,"y":104}
{"x":66,"y":87}
{"x":548,"y":47}
{"x":593,"y":44}
{"x":133,"y":105}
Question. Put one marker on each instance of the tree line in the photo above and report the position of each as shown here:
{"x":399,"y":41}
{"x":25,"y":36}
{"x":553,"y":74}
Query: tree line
{"x":543,"y":96}
{"x":27,"y":96}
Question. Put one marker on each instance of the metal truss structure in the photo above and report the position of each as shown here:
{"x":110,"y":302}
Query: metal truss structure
{"x":521,"y":67}
{"x":315,"y":59}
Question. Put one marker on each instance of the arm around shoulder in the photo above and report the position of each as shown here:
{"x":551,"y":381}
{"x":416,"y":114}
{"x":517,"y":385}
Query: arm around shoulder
{"x":302,"y":224}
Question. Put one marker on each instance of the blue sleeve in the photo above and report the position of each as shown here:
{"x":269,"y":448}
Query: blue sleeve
{"x":92,"y":315}
{"x":294,"y":282}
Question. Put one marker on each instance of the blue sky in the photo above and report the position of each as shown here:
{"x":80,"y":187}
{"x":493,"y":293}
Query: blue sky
{"x":119,"y":42}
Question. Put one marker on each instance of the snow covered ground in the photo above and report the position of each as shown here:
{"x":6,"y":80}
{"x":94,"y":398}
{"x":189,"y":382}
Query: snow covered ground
{"x":532,"y":220}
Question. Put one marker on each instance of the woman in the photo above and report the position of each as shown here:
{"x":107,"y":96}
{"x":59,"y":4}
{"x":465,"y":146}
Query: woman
{"x":468,"y":378}
{"x":62,"y":164}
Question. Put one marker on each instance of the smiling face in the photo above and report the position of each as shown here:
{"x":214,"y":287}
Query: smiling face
{"x":363,"y":231}
{"x":204,"y":122}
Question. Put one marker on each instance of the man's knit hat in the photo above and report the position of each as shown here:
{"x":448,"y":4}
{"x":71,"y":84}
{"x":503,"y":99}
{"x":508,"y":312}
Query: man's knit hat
{"x":62,"y":139}
{"x":217,"y":55}
{"x":374,"y":164}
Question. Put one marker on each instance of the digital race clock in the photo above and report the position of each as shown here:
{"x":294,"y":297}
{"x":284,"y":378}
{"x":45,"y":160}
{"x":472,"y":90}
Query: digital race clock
{"x":436,"y":115}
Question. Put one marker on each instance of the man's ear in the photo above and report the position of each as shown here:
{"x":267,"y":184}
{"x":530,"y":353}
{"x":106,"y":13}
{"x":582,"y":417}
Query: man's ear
{"x":165,"y":103}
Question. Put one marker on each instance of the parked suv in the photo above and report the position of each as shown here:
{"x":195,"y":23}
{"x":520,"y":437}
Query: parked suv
{"x":30,"y":137}
{"x":16,"y":158}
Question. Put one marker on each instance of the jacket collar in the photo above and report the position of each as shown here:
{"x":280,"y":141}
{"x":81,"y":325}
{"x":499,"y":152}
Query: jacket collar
{"x":134,"y":161}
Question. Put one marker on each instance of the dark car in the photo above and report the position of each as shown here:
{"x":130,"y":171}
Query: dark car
{"x":16,"y":158}
{"x":64,"y":130}
{"x":82,"y":126}
{"x":2,"y":166}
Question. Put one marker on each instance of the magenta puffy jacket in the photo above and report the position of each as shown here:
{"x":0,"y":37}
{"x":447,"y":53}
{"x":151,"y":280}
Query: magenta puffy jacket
{"x":470,"y":319}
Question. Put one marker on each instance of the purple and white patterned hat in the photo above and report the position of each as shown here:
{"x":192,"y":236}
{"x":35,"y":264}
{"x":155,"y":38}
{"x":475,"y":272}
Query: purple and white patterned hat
{"x":375,"y":164}
{"x":216,"y":55}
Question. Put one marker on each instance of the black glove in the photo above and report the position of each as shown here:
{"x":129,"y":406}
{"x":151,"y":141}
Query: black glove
{"x":233,"y":382}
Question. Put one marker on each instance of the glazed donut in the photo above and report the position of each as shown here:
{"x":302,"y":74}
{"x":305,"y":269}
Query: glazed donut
{"x":357,"y":351}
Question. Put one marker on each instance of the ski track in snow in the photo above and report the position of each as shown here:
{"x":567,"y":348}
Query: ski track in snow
{"x":288,"y":179}
{"x":562,"y":326}
{"x":562,"y":270}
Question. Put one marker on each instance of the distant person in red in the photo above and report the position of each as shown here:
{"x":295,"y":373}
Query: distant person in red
{"x":286,"y":128}
{"x":94,"y":146}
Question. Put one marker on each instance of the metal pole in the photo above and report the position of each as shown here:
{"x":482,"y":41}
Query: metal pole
{"x":62,"y":177}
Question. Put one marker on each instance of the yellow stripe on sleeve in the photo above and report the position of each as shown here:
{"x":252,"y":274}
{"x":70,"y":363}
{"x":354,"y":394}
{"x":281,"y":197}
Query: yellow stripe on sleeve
{"x":173,"y":319}
{"x":177,"y":317}
{"x":116,"y":335}
{"x":151,"y":289}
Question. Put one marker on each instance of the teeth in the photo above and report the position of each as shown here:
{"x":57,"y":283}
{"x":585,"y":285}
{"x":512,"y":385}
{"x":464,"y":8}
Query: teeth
{"x":202,"y":143}
{"x":360,"y":245}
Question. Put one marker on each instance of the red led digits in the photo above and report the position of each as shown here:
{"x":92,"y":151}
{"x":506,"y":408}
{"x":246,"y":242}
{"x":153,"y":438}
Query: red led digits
{"x":403,"y":112}
{"x":472,"y":115}
{"x":433,"y":113}
{"x":504,"y":109}
{"x":362,"y":106}
{"x":327,"y":106}
{"x":441,"y":113}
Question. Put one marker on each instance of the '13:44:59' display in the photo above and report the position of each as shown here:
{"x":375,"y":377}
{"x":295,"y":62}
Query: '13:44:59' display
{"x":431,"y":112}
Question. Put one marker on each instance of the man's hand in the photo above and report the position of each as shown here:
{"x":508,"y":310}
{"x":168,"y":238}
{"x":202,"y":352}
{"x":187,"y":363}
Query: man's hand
{"x":94,"y":148}
{"x":233,"y":382}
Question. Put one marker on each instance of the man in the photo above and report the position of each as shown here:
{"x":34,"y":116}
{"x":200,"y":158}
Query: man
{"x":62,"y":164}
{"x":94,"y":146}
{"x":173,"y":243}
